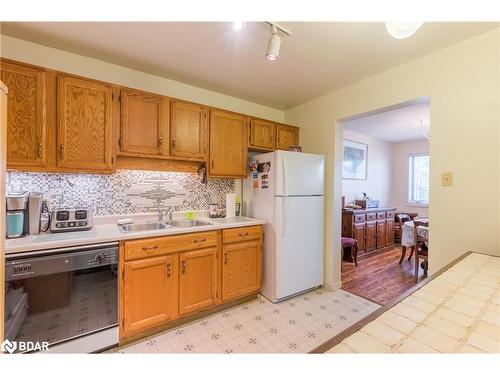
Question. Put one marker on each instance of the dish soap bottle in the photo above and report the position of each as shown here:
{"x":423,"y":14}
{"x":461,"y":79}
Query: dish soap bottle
{"x":238,"y":206}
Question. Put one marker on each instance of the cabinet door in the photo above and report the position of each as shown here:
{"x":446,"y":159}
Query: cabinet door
{"x":262,"y":134}
{"x":150,"y":293}
{"x":228,"y":144}
{"x":198,"y":280}
{"x":84,"y":125}
{"x":287,"y":136}
{"x":26,"y":115}
{"x":359,"y":235}
{"x":371,"y":236}
{"x":381,"y":233}
{"x":390,"y":232}
{"x":143,"y":123}
{"x":241,"y":269}
{"x":188,"y":130}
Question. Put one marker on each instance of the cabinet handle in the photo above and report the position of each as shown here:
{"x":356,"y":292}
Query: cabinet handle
{"x":243,"y":234}
{"x":199,"y":241}
{"x":40,"y":149}
{"x":225,"y":258}
{"x":61,"y":151}
{"x":169,"y":269}
{"x":160,"y":141}
{"x":213,"y":163}
{"x":183,"y":266}
{"x":173,"y":142}
{"x":146,"y":248}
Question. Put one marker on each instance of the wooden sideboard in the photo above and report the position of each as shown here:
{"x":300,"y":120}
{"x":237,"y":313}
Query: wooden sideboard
{"x":373,"y":228}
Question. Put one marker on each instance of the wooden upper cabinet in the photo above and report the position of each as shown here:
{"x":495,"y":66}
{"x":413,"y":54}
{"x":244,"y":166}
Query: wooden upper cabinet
{"x":262,"y":135}
{"x":188,"y":130}
{"x":228,"y":145}
{"x":197,"y":280}
{"x":143,"y":124}
{"x":150,"y":293}
{"x":84,"y":125}
{"x":26,"y":115}
{"x":286,"y":136}
{"x":241,"y":269}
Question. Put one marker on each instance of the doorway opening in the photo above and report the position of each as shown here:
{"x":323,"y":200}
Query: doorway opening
{"x":385,"y":200}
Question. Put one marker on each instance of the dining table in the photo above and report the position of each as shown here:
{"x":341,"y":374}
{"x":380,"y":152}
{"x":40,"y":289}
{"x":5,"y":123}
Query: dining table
{"x":408,"y":237}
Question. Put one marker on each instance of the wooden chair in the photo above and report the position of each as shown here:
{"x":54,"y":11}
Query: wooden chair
{"x":353,"y":244}
{"x":421,"y":250}
{"x":400,"y":220}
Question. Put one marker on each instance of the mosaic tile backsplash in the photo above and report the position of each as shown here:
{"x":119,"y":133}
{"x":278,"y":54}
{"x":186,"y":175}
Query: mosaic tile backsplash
{"x":124,"y":192}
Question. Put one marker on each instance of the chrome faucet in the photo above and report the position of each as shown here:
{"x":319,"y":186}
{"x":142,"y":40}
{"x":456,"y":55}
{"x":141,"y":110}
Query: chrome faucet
{"x":161,"y":214}
{"x":171,"y":210}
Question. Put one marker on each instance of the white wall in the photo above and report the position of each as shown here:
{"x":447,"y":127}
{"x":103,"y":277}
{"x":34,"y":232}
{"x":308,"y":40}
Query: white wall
{"x":462,"y":82}
{"x":36,"y":54}
{"x":378,"y":182}
{"x":399,"y":181}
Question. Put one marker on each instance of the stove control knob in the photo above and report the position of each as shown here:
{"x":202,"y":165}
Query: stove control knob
{"x":100,"y":258}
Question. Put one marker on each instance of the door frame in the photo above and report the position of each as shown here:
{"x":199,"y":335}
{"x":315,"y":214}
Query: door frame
{"x":3,"y":164}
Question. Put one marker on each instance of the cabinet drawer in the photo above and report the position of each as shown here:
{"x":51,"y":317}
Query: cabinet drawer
{"x":370,"y":217}
{"x":380,"y":215}
{"x":359,"y":218}
{"x":241,"y":234}
{"x":390,"y":214}
{"x":164,"y":245}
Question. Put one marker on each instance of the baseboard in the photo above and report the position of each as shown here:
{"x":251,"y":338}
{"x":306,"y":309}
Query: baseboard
{"x":333,"y":287}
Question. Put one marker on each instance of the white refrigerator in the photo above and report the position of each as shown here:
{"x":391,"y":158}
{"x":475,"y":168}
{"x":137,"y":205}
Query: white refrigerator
{"x":286,"y":191}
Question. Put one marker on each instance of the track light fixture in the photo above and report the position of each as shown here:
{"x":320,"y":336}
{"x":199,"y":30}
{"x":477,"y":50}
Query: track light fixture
{"x":273,"y":47}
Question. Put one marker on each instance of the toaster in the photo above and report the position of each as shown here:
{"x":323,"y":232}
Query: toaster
{"x":71,"y":219}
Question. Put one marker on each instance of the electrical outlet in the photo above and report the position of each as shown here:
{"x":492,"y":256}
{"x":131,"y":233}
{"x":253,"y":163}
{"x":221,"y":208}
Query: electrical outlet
{"x":447,"y":179}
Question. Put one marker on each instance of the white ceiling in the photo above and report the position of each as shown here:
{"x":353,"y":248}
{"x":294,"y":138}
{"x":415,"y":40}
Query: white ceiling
{"x":318,"y":58}
{"x":396,"y":125}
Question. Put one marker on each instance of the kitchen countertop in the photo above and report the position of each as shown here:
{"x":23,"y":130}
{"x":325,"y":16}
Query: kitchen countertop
{"x":456,"y":311}
{"x":106,"y":230}
{"x":367,"y":210}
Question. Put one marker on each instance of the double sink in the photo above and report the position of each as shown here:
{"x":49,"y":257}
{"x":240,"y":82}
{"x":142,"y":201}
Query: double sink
{"x":181,"y":223}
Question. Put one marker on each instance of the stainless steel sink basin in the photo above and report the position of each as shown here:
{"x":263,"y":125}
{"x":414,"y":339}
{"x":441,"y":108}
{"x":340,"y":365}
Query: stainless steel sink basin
{"x":139,"y":227}
{"x":185,"y":223}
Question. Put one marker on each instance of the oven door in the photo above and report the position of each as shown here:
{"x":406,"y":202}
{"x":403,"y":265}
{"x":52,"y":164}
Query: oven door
{"x":62,"y":295}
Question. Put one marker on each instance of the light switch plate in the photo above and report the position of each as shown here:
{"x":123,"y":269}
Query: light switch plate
{"x":447,"y":179}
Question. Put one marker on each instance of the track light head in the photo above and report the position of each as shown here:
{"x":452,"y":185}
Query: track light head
{"x":273,"y":47}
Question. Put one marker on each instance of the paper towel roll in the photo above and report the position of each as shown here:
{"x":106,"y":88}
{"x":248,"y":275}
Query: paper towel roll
{"x":230,"y":204}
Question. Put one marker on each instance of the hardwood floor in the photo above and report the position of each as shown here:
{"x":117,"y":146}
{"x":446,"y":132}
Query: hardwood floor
{"x":379,"y":277}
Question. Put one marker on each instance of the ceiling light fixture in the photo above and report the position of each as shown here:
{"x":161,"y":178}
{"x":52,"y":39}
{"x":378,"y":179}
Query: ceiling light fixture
{"x":273,"y":47}
{"x":239,"y":25}
{"x":402,"y":30}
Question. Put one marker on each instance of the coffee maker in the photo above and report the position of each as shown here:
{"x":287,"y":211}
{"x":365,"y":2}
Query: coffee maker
{"x":23,"y":213}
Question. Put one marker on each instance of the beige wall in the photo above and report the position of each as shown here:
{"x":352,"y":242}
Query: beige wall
{"x":36,"y":54}
{"x":378,"y":178}
{"x":400,"y":170}
{"x":463,"y":84}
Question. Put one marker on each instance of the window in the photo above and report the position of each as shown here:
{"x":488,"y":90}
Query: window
{"x":418,"y":183}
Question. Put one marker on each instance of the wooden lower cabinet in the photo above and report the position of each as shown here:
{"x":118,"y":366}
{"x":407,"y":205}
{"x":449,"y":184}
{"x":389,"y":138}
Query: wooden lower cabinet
{"x":241,"y":269}
{"x":171,"y":278}
{"x":371,"y":236}
{"x":359,"y":235}
{"x":389,"y":232}
{"x":197,"y":280}
{"x":150,"y":293}
{"x":381,"y":234}
{"x":372,"y":228}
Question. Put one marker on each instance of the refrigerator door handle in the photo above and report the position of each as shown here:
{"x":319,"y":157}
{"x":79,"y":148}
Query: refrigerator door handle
{"x":285,"y":187}
{"x":283,"y":218}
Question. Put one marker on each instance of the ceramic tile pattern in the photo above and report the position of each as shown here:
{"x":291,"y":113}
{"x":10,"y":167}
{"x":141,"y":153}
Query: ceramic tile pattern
{"x":297,"y":325}
{"x":457,"y":312}
{"x":124,"y":192}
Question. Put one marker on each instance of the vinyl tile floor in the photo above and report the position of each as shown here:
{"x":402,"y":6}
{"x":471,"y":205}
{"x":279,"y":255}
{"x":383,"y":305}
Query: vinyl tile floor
{"x":297,"y":325}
